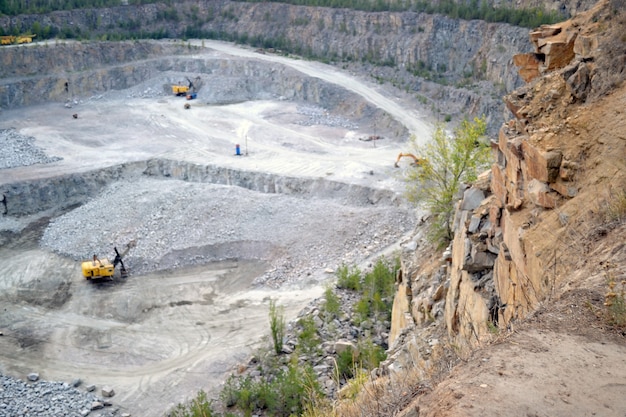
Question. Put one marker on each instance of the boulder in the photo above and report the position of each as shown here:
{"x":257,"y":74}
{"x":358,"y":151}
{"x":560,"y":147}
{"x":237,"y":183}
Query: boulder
{"x":558,"y":52}
{"x":540,"y":165}
{"x":585,"y":46}
{"x":567,"y":190}
{"x":540,"y":195}
{"x":579,"y":83}
{"x":528,"y":65}
{"x":33,"y":376}
{"x":472,"y":197}
{"x":343,"y":345}
{"x":108,"y":391}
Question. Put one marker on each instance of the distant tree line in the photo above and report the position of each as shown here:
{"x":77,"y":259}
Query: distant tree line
{"x":468,"y":10}
{"x":17,"y":7}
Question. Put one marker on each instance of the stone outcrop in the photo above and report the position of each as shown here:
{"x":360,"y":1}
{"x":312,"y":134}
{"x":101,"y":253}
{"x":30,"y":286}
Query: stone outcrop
{"x":501,"y":265}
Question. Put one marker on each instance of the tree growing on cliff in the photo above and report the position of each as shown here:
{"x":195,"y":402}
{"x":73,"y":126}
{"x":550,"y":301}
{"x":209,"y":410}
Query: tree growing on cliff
{"x":449,"y":161}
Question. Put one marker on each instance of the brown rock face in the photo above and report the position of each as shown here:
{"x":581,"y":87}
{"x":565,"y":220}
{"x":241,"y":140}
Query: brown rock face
{"x":528,"y":65}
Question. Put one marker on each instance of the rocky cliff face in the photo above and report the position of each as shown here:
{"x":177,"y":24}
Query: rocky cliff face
{"x":527,"y":224}
{"x":470,"y":60}
{"x":36,"y":74}
{"x":58,"y":72}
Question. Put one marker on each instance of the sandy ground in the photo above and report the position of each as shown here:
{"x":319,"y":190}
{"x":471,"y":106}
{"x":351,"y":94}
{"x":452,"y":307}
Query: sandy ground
{"x":159,"y":337}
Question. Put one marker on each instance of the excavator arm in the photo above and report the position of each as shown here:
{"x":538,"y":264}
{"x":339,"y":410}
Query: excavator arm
{"x":416,"y":161}
{"x":119,"y":256}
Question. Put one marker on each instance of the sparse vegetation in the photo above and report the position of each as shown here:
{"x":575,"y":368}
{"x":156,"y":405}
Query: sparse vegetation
{"x":287,"y":385}
{"x":200,"y":406}
{"x":614,"y":210}
{"x":283,"y":394}
{"x":531,"y":17}
{"x":308,"y":340}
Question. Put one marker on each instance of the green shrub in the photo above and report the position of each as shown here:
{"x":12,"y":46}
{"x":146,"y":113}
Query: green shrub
{"x":370,"y":354}
{"x":308,"y":339}
{"x":451,"y":161}
{"x":332,"y":305}
{"x":362,"y":310}
{"x":198,"y":407}
{"x":277,"y":325}
{"x":346,"y":363}
{"x":349,"y":278}
{"x":285,"y":393}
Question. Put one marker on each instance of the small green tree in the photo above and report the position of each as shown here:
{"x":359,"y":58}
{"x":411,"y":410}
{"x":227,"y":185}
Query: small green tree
{"x":332,"y":306}
{"x":450,"y":161}
{"x":277,"y":325}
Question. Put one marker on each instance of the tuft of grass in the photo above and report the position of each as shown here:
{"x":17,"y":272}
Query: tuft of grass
{"x":198,"y":407}
{"x":493,"y":329}
{"x":615,"y":298}
{"x":615,"y":209}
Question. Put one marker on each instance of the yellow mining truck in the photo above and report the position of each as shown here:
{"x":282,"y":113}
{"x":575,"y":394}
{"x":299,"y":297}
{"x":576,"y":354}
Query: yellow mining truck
{"x":10,"y":39}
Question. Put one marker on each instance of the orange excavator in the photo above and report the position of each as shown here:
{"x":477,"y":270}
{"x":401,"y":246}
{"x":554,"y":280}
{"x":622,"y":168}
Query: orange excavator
{"x":416,"y":161}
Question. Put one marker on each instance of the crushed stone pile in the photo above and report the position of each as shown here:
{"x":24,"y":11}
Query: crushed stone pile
{"x":176,"y":223}
{"x":17,"y":150}
{"x":319,"y":116}
{"x":50,"y":399}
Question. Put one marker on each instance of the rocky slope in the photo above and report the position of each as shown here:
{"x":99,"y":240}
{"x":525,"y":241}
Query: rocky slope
{"x":538,"y":237}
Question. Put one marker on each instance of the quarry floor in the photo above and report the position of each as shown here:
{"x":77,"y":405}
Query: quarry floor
{"x":159,"y":336}
{"x":162,"y":334}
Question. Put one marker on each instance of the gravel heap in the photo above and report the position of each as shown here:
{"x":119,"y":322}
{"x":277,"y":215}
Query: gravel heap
{"x":176,"y":223}
{"x":50,"y":399}
{"x":320,"y":116}
{"x":17,"y":150}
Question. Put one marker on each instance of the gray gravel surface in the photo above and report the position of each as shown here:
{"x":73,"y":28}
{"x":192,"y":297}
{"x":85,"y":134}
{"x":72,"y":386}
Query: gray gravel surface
{"x":49,"y":399}
{"x":176,"y":223}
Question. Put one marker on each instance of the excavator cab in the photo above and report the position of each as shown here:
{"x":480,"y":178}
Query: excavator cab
{"x":98,"y":269}
{"x":180,"y":90}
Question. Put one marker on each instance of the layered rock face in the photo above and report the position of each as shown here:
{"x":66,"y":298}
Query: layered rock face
{"x":500,"y":269}
{"x":514,"y":224}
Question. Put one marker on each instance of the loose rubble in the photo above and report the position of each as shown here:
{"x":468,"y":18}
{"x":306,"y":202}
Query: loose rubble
{"x":50,"y":399}
{"x":17,"y":150}
{"x":319,"y":116}
{"x":177,"y":223}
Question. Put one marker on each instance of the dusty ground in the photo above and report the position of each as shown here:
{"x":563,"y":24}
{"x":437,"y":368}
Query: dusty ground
{"x":160,"y":336}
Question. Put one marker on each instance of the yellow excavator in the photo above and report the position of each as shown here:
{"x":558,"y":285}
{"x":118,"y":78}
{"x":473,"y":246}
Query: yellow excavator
{"x":416,"y":161}
{"x":99,"y":269}
{"x":180,"y":90}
